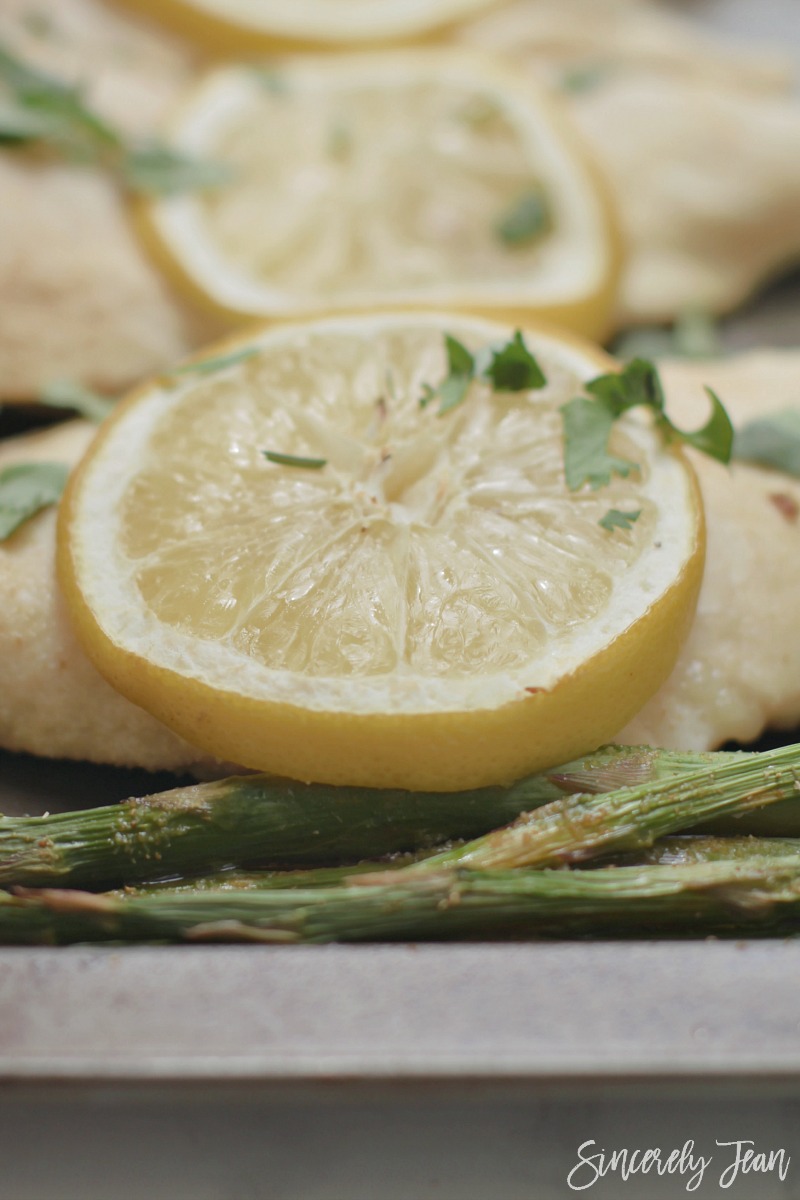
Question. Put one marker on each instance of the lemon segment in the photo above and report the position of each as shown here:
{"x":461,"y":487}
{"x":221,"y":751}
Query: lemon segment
{"x":415,"y":180}
{"x":428,"y":607}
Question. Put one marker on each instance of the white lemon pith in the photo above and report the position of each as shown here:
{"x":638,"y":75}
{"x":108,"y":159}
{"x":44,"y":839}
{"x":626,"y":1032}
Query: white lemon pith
{"x":385,"y":181}
{"x":432,"y":608}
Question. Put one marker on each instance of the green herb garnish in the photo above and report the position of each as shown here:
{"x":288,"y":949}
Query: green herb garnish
{"x":27,"y":488}
{"x":65,"y":393}
{"x":771,"y":441}
{"x":514,"y":369}
{"x":615,"y":519}
{"x":19,"y":125}
{"x":271,"y":78}
{"x":209,"y":366}
{"x":38,"y":109}
{"x":587,"y":428}
{"x":460,"y":374}
{"x":694,"y":335}
{"x":294,"y":460}
{"x":508,"y":368}
{"x":528,"y":219}
{"x":588,"y":422}
{"x":585,"y":78}
{"x":158,"y":170}
{"x":44,"y":109}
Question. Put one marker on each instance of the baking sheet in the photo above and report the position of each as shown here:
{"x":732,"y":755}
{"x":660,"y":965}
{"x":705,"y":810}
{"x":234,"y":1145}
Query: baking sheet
{"x":536,"y":1012}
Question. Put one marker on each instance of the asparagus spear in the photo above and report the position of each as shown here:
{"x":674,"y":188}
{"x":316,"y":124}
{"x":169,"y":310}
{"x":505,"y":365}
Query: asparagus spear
{"x":759,"y":896}
{"x":691,"y":848}
{"x":613,"y":767}
{"x":577,"y":828}
{"x":243,"y":880}
{"x":683,"y":849}
{"x":251,"y":818}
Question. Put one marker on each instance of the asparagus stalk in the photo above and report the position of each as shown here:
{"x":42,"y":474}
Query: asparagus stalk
{"x":257,"y":818}
{"x":683,"y":849}
{"x":242,"y":880}
{"x":759,"y":896}
{"x":577,"y":828}
{"x":612,"y":767}
{"x":698,"y":848}
{"x":246,"y":819}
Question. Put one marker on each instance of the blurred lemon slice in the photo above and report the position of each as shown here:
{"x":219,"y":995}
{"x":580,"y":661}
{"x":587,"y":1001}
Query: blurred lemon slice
{"x":422,"y":180}
{"x":334,"y":24}
{"x":287,"y":559}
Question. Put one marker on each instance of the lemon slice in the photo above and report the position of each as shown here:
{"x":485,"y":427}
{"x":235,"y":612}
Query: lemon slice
{"x":334,"y":24}
{"x":287,"y":559}
{"x":414,"y":180}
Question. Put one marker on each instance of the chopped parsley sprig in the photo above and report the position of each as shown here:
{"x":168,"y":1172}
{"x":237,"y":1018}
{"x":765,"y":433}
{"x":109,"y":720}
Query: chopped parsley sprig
{"x":616,"y":519}
{"x":220,"y":362}
{"x":528,"y":219}
{"x":75,"y":397}
{"x":588,"y":421}
{"x":27,"y":488}
{"x":294,"y":460}
{"x":508,"y":368}
{"x":771,"y":441}
{"x":37,"y":109}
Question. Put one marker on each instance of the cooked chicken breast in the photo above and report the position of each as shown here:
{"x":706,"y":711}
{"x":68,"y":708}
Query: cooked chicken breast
{"x":739,"y":671}
{"x":79,"y":297}
{"x":699,"y":143}
{"x":52,"y":701}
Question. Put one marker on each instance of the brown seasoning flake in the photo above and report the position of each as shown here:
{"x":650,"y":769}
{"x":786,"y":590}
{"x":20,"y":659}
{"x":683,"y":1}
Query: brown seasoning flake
{"x":786,"y":505}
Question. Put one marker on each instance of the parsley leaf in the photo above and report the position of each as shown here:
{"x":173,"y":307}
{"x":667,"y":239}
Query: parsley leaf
{"x":27,"y":488}
{"x":460,"y":374}
{"x":38,"y":109}
{"x":64,"y":393}
{"x":716,"y":437}
{"x":637,"y":383}
{"x":616,"y":519}
{"x":771,"y":441}
{"x":271,"y":78}
{"x":514,"y":369}
{"x":587,"y":428}
{"x":452,"y":391}
{"x":694,"y":335}
{"x":588,"y":423}
{"x":459,"y":359}
{"x":19,"y":124}
{"x":209,"y":366}
{"x":63,"y":118}
{"x":508,"y":368}
{"x":161,"y":171}
{"x":294,"y":460}
{"x":528,"y":218}
{"x":585,"y":78}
